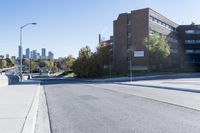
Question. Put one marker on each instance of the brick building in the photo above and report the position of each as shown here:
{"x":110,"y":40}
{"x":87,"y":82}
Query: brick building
{"x":130,"y":30}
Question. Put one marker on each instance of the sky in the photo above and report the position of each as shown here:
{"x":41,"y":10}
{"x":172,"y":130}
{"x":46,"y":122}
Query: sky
{"x":65,"y":26}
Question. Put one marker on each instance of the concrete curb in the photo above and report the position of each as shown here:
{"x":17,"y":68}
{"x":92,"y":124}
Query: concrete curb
{"x":30,"y":121}
{"x":43,"y":119}
{"x":163,"y":87}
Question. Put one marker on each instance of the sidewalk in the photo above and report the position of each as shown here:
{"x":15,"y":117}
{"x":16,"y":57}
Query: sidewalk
{"x":184,"y":84}
{"x":148,"y":77}
{"x":18,"y":108}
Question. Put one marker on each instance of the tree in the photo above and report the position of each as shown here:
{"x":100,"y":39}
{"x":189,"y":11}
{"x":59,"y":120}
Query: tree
{"x":82,"y":64}
{"x":103,"y":55}
{"x":158,"y":50}
{"x":34,"y":65}
{"x":3,"y":63}
{"x":10,"y":62}
{"x":68,"y":62}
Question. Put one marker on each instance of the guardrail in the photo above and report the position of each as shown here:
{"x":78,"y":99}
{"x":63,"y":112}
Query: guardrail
{"x":7,"y":69}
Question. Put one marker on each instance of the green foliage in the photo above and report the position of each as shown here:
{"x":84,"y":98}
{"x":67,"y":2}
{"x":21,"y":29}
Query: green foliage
{"x":3,"y":63}
{"x":91,"y":65}
{"x":159,"y":51}
{"x":82,"y":64}
{"x":54,"y":69}
{"x":46,"y":63}
{"x":34,"y":65}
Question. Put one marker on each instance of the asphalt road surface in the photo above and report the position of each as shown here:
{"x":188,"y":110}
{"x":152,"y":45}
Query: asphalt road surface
{"x":81,"y":107}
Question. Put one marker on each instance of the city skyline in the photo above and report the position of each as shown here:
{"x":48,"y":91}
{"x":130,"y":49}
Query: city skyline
{"x":72,"y":29}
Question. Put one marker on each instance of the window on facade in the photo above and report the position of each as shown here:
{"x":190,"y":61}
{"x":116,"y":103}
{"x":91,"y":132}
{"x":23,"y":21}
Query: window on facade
{"x":189,"y":51}
{"x":192,"y":51}
{"x":171,"y":39}
{"x":129,"y":34}
{"x":129,"y":23}
{"x":192,"y":31}
{"x":161,"y":23}
{"x":174,"y":50}
{"x":189,"y":32}
{"x":192,"y":41}
{"x":197,"y":51}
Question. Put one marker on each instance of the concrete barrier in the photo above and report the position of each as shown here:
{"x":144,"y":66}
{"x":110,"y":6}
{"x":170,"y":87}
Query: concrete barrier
{"x":8,"y":79}
{"x":3,"y":80}
{"x":13,"y":79}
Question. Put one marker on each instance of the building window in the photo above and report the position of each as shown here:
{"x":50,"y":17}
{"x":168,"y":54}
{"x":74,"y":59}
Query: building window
{"x":129,"y":34}
{"x":192,"y":51}
{"x":192,"y":31}
{"x":171,"y":39}
{"x":174,"y":50}
{"x":192,"y":41}
{"x":129,"y":23}
{"x":189,"y":51}
{"x":161,"y":23}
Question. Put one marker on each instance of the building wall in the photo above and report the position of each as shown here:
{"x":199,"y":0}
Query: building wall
{"x":190,"y":45}
{"x":139,"y":25}
{"x":120,"y":42}
{"x":167,"y":29}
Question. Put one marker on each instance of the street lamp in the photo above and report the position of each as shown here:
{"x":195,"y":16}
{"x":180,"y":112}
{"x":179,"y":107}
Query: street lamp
{"x":21,"y":46}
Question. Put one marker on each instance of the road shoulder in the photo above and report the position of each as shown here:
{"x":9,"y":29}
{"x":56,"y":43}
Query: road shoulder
{"x":42,"y":123}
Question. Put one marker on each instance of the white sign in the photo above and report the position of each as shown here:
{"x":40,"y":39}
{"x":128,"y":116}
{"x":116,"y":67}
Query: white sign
{"x":138,"y":53}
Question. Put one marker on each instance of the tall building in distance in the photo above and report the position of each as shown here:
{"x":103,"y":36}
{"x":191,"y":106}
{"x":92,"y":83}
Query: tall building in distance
{"x":34,"y":54}
{"x":28,"y":53}
{"x":50,"y":55}
{"x":7,"y":56}
{"x":43,"y":51}
{"x":20,"y":52}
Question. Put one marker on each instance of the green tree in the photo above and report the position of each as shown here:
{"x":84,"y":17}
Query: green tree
{"x":3,"y":63}
{"x":34,"y":65}
{"x":10,"y":62}
{"x":81,"y":66}
{"x":159,"y":51}
{"x":103,"y":55}
{"x":68,"y":62}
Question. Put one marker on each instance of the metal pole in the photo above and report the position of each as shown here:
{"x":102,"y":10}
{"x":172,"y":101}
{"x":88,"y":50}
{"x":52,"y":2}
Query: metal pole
{"x":131,"y":70}
{"x":21,"y":53}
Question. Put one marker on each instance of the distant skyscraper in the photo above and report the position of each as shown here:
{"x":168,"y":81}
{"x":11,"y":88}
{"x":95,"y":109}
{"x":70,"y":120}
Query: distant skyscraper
{"x":38,"y":56}
{"x":27,"y":53}
{"x":34,"y":54}
{"x":7,"y":56}
{"x":50,"y":55}
{"x":20,"y":52}
{"x":1,"y":56}
{"x":43,"y":56}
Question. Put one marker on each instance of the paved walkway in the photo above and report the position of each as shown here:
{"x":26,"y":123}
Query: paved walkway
{"x":18,"y":105}
{"x":181,"y":84}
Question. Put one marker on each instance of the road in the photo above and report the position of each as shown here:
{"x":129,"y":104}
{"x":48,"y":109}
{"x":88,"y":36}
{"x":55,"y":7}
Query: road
{"x":83,"y":107}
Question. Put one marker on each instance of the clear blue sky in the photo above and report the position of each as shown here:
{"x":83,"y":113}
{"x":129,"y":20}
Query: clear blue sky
{"x":64,"y":26}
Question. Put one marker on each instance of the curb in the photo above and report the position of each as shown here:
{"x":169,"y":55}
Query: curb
{"x":43,"y":124}
{"x":30,"y":121}
{"x":163,"y":87}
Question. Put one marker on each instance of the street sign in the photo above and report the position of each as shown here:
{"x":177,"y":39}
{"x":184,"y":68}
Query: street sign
{"x":138,"y":53}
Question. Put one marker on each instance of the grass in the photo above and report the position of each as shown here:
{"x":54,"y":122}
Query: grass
{"x":70,"y":75}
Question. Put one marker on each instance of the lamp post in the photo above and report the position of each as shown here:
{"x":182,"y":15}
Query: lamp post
{"x":21,"y":54}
